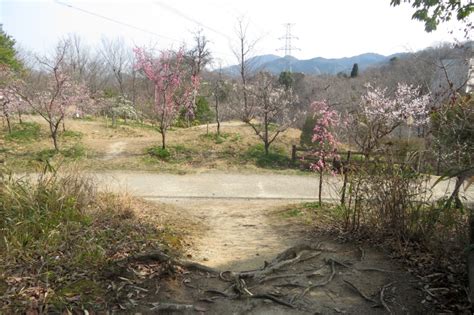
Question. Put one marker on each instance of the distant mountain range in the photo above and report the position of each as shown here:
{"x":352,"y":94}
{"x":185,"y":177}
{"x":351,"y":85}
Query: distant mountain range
{"x":276,"y":64}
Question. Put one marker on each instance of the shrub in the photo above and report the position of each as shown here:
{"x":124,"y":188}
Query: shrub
{"x":44,"y":155}
{"x":307,"y":131}
{"x":218,"y":139}
{"x":159,"y":152}
{"x":59,"y":236}
{"x":276,"y":158}
{"x":402,"y":148}
{"x":203,"y":113}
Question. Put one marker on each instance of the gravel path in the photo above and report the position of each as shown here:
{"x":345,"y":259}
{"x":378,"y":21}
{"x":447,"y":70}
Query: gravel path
{"x":235,"y":186}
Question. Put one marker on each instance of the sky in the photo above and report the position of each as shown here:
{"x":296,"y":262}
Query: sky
{"x":330,"y":29}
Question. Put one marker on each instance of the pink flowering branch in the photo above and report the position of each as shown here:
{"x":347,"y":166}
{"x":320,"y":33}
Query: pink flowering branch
{"x":60,"y":95}
{"x":173,"y":87}
{"x":324,"y":138}
{"x":380,"y":114}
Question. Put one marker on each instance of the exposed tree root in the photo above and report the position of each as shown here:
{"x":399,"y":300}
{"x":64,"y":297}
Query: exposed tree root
{"x":374,"y":269}
{"x":255,"y":284}
{"x":119,"y":267}
{"x":172,"y":307}
{"x":382,"y":300}
{"x":288,"y":257}
{"x":321,"y":284}
{"x":362,"y":294}
{"x":272,"y":298}
{"x":362,"y":253}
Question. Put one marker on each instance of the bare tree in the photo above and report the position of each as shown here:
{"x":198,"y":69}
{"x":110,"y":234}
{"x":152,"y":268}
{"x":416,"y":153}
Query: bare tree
{"x":200,"y":55}
{"x":77,"y":56}
{"x":243,"y":52}
{"x":117,"y":57}
{"x":268,"y":110}
{"x":220,"y":93}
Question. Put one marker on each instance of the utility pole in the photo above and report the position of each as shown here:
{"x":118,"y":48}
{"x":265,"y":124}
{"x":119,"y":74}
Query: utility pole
{"x":288,"y":48}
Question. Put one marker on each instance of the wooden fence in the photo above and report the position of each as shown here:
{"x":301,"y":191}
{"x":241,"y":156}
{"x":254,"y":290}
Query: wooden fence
{"x":423,"y":161}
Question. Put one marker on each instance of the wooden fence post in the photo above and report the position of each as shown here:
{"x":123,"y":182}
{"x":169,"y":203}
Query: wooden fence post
{"x":344,"y":184}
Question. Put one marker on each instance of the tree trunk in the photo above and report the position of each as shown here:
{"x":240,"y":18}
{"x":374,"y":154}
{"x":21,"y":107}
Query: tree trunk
{"x":265,"y":139}
{"x":320,"y":199}
{"x":217,"y":117}
{"x":163,"y":139}
{"x":7,"y":117}
{"x":54,"y":135}
{"x":455,"y":194}
{"x":267,"y":147}
{"x":20,"y":120}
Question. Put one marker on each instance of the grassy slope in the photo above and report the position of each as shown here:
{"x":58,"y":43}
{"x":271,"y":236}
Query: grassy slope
{"x":94,"y":146}
{"x":58,"y":237}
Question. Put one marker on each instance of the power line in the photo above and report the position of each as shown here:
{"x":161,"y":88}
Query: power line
{"x":115,"y":21}
{"x":109,"y":19}
{"x":186,"y":17}
{"x":288,"y":48}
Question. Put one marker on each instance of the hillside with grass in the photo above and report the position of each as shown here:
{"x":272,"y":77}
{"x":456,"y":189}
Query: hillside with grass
{"x":94,"y":145}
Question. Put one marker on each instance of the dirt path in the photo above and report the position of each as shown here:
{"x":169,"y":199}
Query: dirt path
{"x":239,"y":234}
{"x":233,"y":209}
{"x":243,"y":229}
{"x":115,"y":149}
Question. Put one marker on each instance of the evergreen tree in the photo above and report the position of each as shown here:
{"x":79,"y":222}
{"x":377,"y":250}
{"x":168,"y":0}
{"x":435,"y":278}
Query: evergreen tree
{"x":286,"y":79}
{"x":355,"y":70}
{"x":8,"y":53}
{"x":307,"y":131}
{"x":203,"y":113}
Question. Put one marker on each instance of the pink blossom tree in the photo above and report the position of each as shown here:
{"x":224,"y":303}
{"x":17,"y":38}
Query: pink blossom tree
{"x":10,"y":100}
{"x":380,"y":114}
{"x":268,"y":108}
{"x":324,"y":139}
{"x":59,"y":94}
{"x":174,"y":87}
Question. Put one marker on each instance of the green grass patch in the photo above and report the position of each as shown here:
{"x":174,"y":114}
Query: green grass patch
{"x":291,"y":213}
{"x":173,"y":154}
{"x":44,"y":155}
{"x":71,"y":134}
{"x":159,"y":152}
{"x":76,"y":151}
{"x":25,"y":132}
{"x":276,"y":158}
{"x":217,"y":139}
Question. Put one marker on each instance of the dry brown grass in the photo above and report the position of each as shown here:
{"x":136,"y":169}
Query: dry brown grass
{"x":58,"y":235}
{"x":124,"y":147}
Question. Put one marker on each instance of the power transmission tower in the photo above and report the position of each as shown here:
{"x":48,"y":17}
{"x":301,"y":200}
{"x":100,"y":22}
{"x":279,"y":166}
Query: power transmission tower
{"x":288,"y":48}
